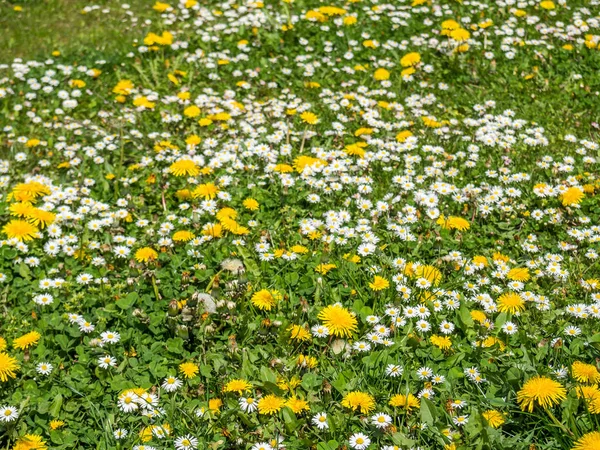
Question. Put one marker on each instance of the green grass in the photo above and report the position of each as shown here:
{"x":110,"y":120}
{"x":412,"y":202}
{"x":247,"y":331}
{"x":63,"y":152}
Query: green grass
{"x":44,"y":26}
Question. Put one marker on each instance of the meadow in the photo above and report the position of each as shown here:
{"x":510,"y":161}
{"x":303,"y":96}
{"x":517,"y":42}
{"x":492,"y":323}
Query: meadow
{"x":296,"y":224}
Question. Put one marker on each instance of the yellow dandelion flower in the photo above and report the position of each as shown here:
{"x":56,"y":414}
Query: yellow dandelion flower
{"x":494,"y":418}
{"x":511,"y":302}
{"x":589,"y":441}
{"x":339,"y":320}
{"x":146,"y":254}
{"x":297,"y":405}
{"x":20,"y":230}
{"x":299,"y":333}
{"x":207,"y":191}
{"x":403,"y":135}
{"x":188,"y":369}
{"x":214,"y":404}
{"x":572,"y":196}
{"x":191,"y":111}
{"x":323,"y":268}
{"x":381,"y":74}
{"x":20,"y":209}
{"x":547,"y":4}
{"x":30,"y":442}
{"x":270,"y":404}
{"x":251,"y":204}
{"x":518,"y":274}
{"x":410,"y":59}
{"x":8,"y":366}
{"x":441,"y":342}
{"x":265,"y":299}
{"x":359,"y":400}
{"x":214,"y":230}
{"x":430,"y":273}
{"x":56,"y":424}
{"x":407,"y":402}
{"x":585,"y":373}
{"x":541,"y":391}
{"x":27,"y":340}
{"x":184,"y":167}
{"x":40,"y":218}
{"x":460,"y":35}
{"x":183,"y":236}
{"x":237,"y":385}
{"x":123,"y":87}
{"x":307,"y":361}
{"x":379,"y":283}
{"x":309,"y":118}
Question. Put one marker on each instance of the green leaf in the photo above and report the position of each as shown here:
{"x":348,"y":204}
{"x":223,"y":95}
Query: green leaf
{"x":311,"y":381}
{"x":24,"y":271}
{"x":401,"y":439}
{"x":290,"y":420}
{"x":267,"y":374}
{"x":428,"y":412}
{"x":128,"y":301}
{"x":56,"y":405}
{"x":331,"y":445}
{"x":291,"y":278}
{"x":175,"y":345}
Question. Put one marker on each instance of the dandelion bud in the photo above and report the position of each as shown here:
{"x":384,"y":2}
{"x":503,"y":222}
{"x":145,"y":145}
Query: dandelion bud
{"x":173,"y":308}
{"x":183,"y":332}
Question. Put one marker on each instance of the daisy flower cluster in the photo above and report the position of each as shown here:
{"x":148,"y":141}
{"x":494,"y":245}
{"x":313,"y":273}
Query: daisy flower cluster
{"x":291,"y":225}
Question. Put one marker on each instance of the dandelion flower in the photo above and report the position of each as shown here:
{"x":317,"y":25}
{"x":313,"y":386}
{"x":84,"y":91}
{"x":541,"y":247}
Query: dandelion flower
{"x":189,"y":369}
{"x":297,"y":405}
{"x":518,"y":274}
{"x":270,"y":404}
{"x":494,"y":418}
{"x":20,"y":230}
{"x":146,"y":254}
{"x":410,"y":59}
{"x":27,"y":340}
{"x":572,"y":196}
{"x":542,"y":391}
{"x":359,"y":400}
{"x":30,"y":442}
{"x":407,"y":402}
{"x":183,"y":236}
{"x":585,"y":373}
{"x":381,"y":74}
{"x":457,"y":223}
{"x":56,"y":424}
{"x":338,"y":320}
{"x":265,"y":299}
{"x":251,"y":204}
{"x":511,"y":302}
{"x":441,"y":342}
{"x":207,"y":191}
{"x":299,"y":333}
{"x":379,"y":283}
{"x":184,"y":167}
{"x":589,"y":441}
{"x":309,"y":118}
{"x":237,"y":385}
